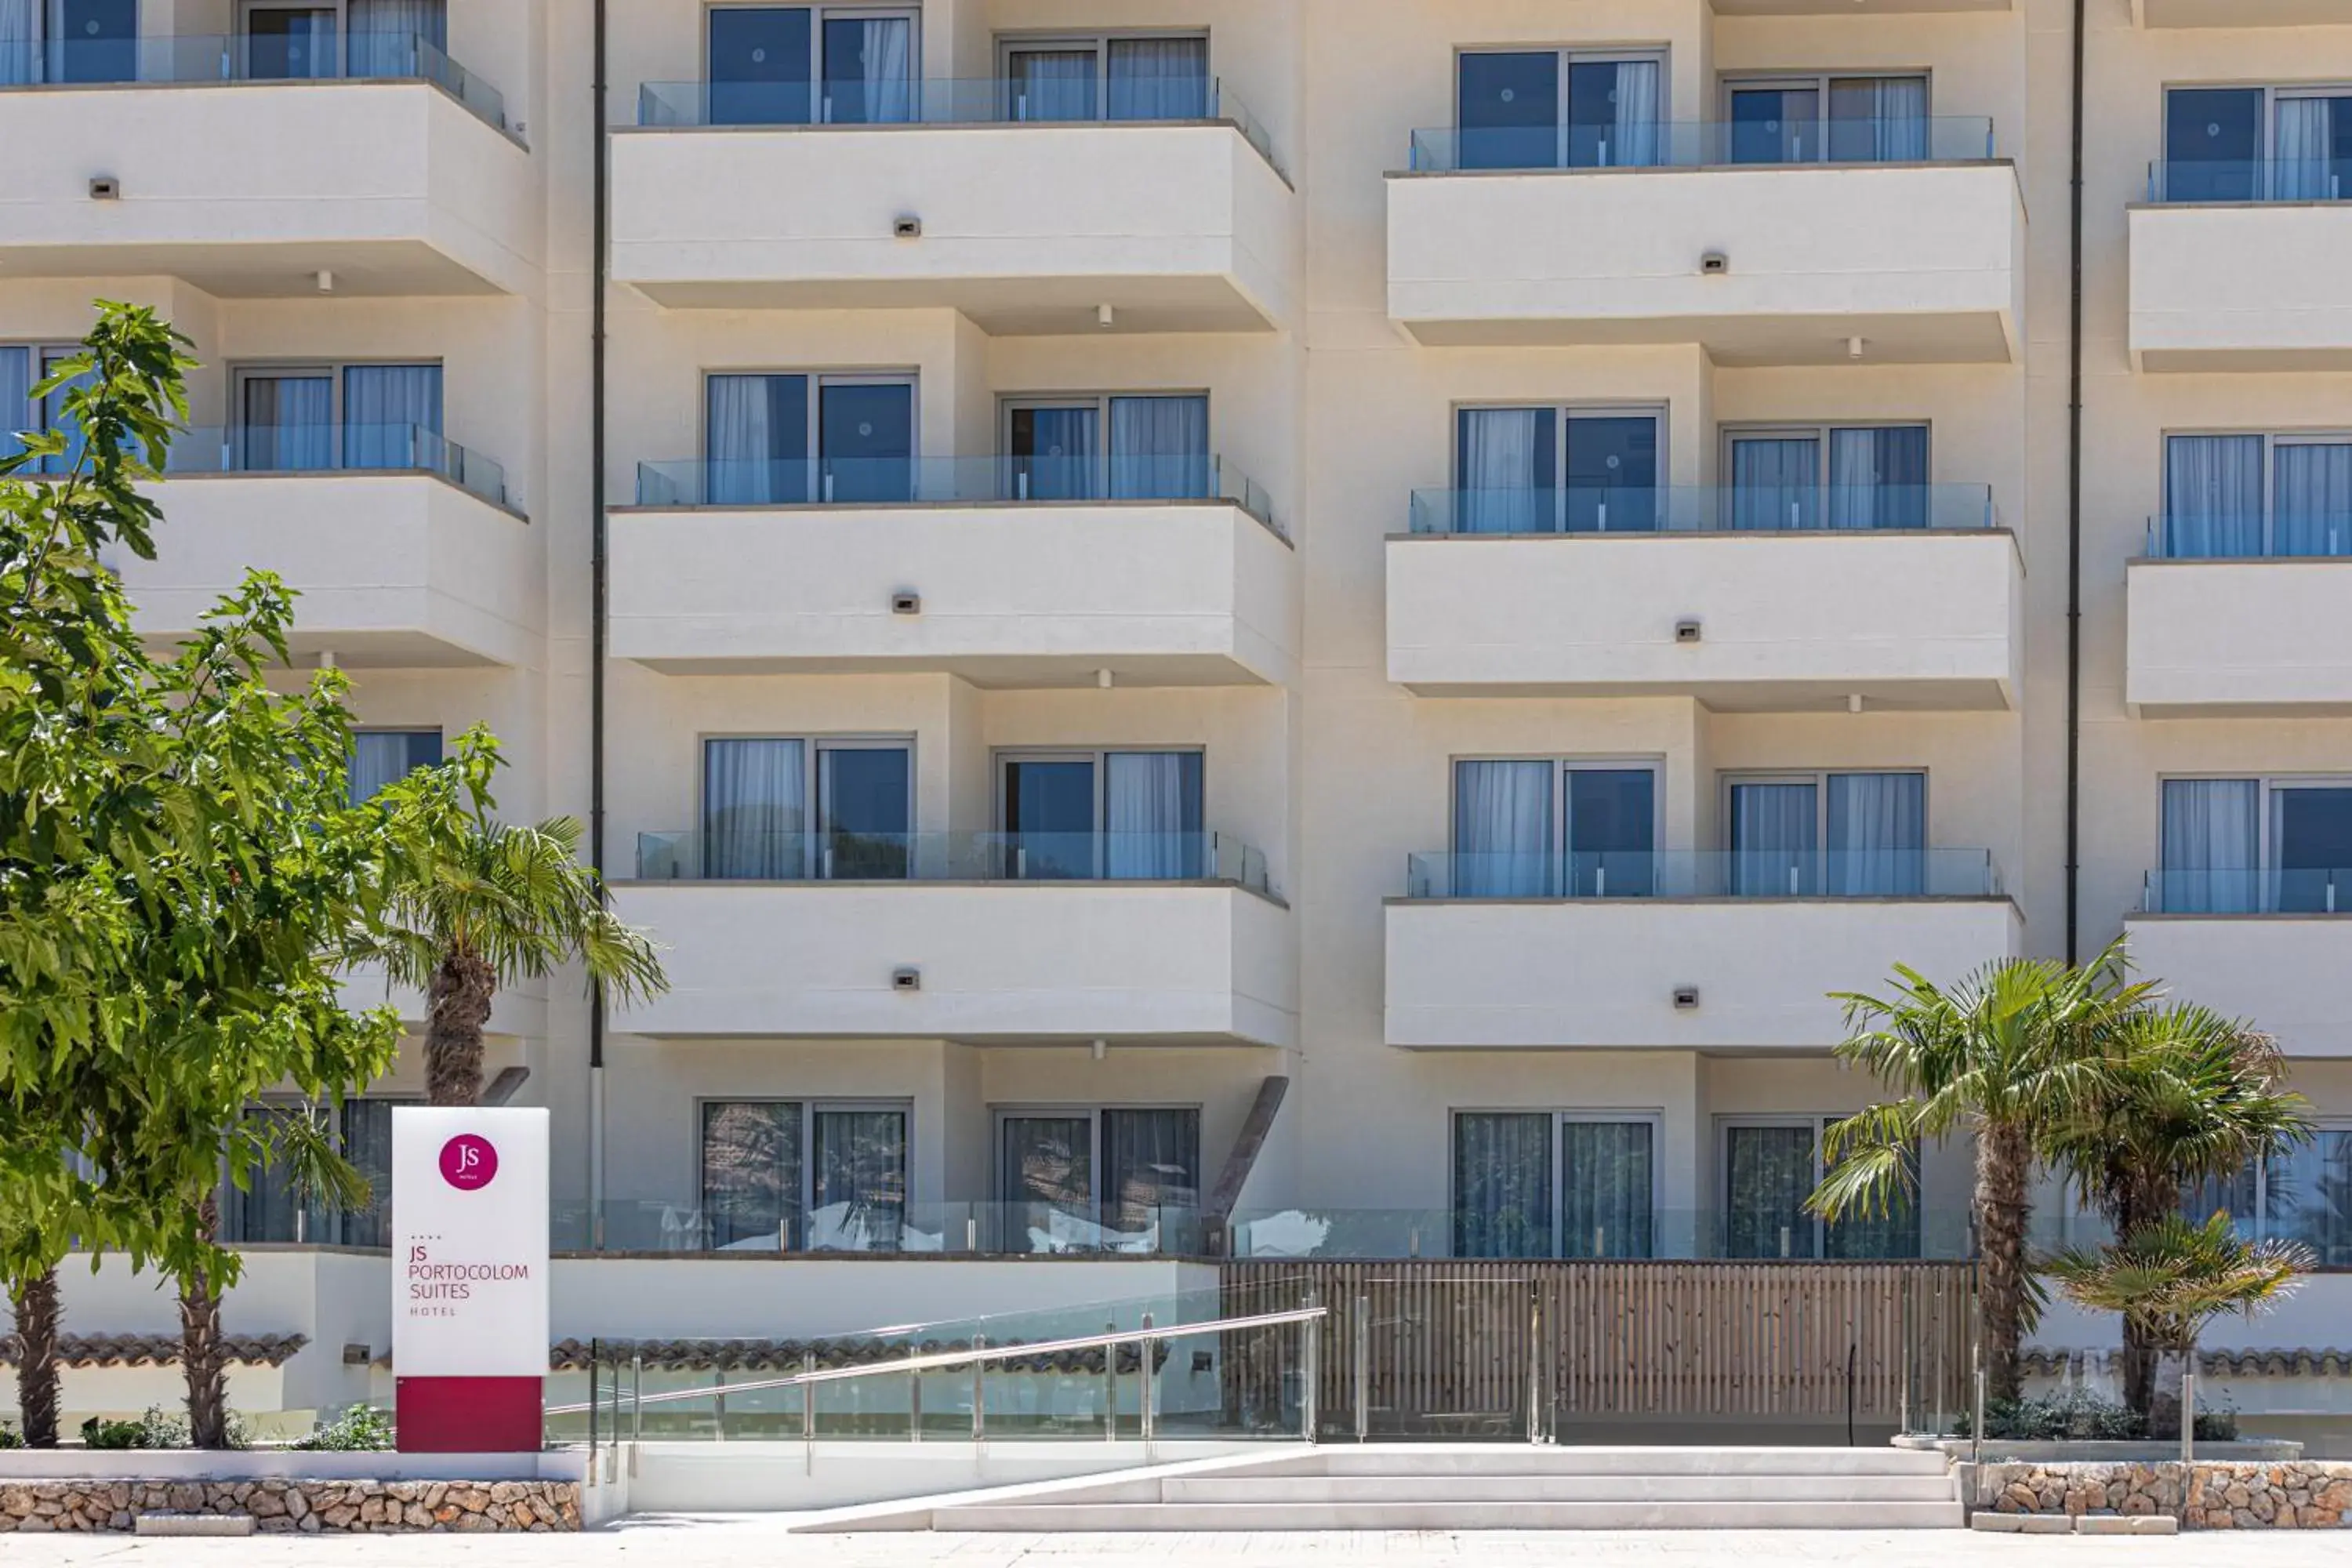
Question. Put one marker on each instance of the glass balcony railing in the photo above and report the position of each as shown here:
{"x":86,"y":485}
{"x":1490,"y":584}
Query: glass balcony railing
{"x":903,"y":481}
{"x":2276,"y":535}
{"x":2189,"y":181}
{"x":1698,"y":145}
{"x":1450,"y":875}
{"x":2269,"y":890}
{"x":707,"y":1223}
{"x":336,"y":449}
{"x":1777,"y":1231}
{"x":715,"y":854}
{"x":1703,"y":509}
{"x":366,"y":54}
{"x":978,"y":100}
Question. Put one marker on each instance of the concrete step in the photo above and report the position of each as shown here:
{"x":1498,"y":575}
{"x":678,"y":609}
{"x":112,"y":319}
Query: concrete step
{"x":1505,"y":1488}
{"x":1450,"y":1515}
{"x":1523,"y":1459}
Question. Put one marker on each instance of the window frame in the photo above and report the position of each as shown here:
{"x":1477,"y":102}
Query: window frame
{"x":2267,"y":787}
{"x":818,"y":380}
{"x":440,"y":733}
{"x":1660,"y":413}
{"x":820,"y":13}
{"x":339,"y":1132}
{"x":1009,"y":404}
{"x":810,"y":1107}
{"x":2273,"y":93}
{"x":1819,"y":1123}
{"x":1568,"y":55}
{"x":1652,"y":1117}
{"x":34,"y":414}
{"x":1094,"y":1111}
{"x":2272,"y":438}
{"x":242,"y":372}
{"x":1558,"y":819}
{"x":1097,"y":40}
{"x":1819,"y":83}
{"x":1819,"y":432}
{"x":812,"y":744}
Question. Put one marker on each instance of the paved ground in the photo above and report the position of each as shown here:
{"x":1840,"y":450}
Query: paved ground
{"x":664,"y":1542}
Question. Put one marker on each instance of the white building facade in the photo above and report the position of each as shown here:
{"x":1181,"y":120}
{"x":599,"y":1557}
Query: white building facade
{"x":1228,"y":627}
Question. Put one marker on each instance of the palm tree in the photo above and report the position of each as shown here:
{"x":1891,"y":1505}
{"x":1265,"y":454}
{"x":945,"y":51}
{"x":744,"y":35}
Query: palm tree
{"x":2004,"y":1055}
{"x":501,"y":904}
{"x":2171,"y":1278}
{"x":38,"y":1315}
{"x":2187,"y":1096}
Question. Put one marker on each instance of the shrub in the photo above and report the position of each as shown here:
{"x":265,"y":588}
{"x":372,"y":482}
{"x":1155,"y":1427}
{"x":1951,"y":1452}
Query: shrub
{"x":8,"y":1437}
{"x":2080,"y":1417}
{"x":361,"y":1427}
{"x":158,"y":1428}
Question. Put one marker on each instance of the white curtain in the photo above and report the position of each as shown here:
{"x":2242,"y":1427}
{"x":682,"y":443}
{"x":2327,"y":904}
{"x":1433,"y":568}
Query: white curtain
{"x":889,"y":70}
{"x":1158,"y":78}
{"x":1776,"y":483}
{"x":2312,"y":507}
{"x":1878,"y":478}
{"x":1877,"y":835}
{"x":1775,"y":840}
{"x":754,"y":810}
{"x":2213,"y":496}
{"x":1607,"y":1193}
{"x":756,"y":440}
{"x":392,"y":416}
{"x":1502,"y":1184}
{"x":1880,"y":120}
{"x":380,"y":757}
{"x":1501,"y":448}
{"x":2212,"y":846}
{"x":1159,"y":447}
{"x":385,"y":36}
{"x":2303,"y":169}
{"x":1054,"y":85}
{"x":1633,"y":140}
{"x":1152,"y":811}
{"x":290,"y":423}
{"x":16,"y":395}
{"x":20,"y":42}
{"x":1502,"y":830}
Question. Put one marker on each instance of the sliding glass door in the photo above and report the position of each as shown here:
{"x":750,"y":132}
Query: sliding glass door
{"x":289,"y":42}
{"x":1770,"y":1166}
{"x":2256,"y":495}
{"x":793,"y":1176}
{"x":1834,"y":120}
{"x":1509,"y":814}
{"x":1550,"y":470}
{"x":799,"y":65}
{"x":789,"y":439}
{"x":1107,"y":815}
{"x":378,"y":416}
{"x":1554,"y":1184}
{"x":1113,"y":1179}
{"x":1127,"y":448}
{"x":1113,"y":76}
{"x":1839,"y":476}
{"x":1553,"y":108}
{"x":1844,"y":834}
{"x":2257,"y":144}
{"x":2250,"y":845}
{"x":755,"y":816}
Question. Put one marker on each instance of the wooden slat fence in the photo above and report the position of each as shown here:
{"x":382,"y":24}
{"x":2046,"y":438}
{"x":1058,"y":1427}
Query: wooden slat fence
{"x":1471,"y":1347}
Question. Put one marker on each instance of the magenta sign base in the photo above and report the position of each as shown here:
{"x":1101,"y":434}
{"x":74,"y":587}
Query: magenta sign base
{"x":469,"y":1415}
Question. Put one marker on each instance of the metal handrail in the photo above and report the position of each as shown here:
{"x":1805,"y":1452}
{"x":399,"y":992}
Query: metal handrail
{"x":938,"y":1361}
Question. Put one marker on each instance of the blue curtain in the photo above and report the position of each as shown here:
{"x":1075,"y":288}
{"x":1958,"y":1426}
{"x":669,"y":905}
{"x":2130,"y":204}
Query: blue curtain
{"x":288,"y":423}
{"x":2213,"y":496}
{"x":2212,"y":846}
{"x":1775,"y":840}
{"x":380,"y":757}
{"x":1502,"y":1184}
{"x":392,"y":418}
{"x":756,"y":436}
{"x":1877,"y":835}
{"x":1502,"y":471}
{"x":1054,"y":85}
{"x":1159,"y":447}
{"x":1502,"y":830}
{"x":1775,"y":482}
{"x":1878,"y":478}
{"x":754,"y":810}
{"x":1158,"y":78}
{"x":2312,"y":508}
{"x":16,"y":412}
{"x":20,"y":44}
{"x":1152,"y":817}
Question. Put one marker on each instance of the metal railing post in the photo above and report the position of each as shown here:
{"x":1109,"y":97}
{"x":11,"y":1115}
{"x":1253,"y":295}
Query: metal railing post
{"x":1535,"y":1365}
{"x":1143,"y":1370}
{"x":808,"y":1415}
{"x":1111,"y":1386}
{"x":2188,"y":1422}
{"x":593,"y":1348}
{"x":718,"y":1405}
{"x":1975,"y":1427}
{"x":1363,"y":1368}
{"x":1310,"y":1396}
{"x":914,"y":1407}
{"x":979,"y":1395}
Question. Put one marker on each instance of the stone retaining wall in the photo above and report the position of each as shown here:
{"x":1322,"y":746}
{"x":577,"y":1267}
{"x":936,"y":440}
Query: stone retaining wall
{"x":2220,"y":1495}
{"x":287,"y":1507}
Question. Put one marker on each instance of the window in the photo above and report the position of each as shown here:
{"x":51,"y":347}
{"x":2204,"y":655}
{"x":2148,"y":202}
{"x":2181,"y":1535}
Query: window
{"x":796,"y":439}
{"x":1559,"y":109}
{"x":1512,"y":1198}
{"x":272,"y":1210}
{"x":2255,"y":495}
{"x":380,"y":757}
{"x":1770,"y":1166}
{"x":1509,"y":814}
{"x":1119,"y":816}
{"x":1809,"y":476}
{"x":1840,"y":835}
{"x":803,"y":1176}
{"x":1555,"y":470}
{"x":1124,"y":448}
{"x":800,"y":64}
{"x":1828,"y":119}
{"x":2249,"y":845}
{"x":1113,"y":1179}
{"x":755,"y":817}
{"x":68,"y":41}
{"x":2257,"y":144}
{"x":2302,"y":1194}
{"x":294,"y":418}
{"x":24,"y":366}
{"x":1118,"y":76}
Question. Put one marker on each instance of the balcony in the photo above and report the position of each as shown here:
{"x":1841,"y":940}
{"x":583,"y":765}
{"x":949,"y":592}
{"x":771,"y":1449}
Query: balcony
{"x":401,"y":544}
{"x":2251,"y":635}
{"x":1010,"y":937}
{"x":2267,"y":946}
{"x":1013,"y":582}
{"x":1026,"y":225}
{"x":2237,"y":266}
{"x":390,"y":169}
{"x":1492,"y":243}
{"x":1904,"y":597}
{"x":1696,"y":951}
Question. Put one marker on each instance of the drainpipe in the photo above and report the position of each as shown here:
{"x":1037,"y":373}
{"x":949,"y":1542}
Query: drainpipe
{"x":600,"y":597}
{"x":2073,"y":521}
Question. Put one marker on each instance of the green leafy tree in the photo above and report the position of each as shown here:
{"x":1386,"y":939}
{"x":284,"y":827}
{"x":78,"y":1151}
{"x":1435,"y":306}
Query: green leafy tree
{"x":2187,"y":1096}
{"x":2170,"y":1279}
{"x":182,"y":878}
{"x":501,"y":904}
{"x":2004,"y":1056}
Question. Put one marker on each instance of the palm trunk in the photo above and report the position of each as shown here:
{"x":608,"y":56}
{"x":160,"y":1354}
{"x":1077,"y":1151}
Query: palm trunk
{"x":38,"y":1314}
{"x":459,"y":1004}
{"x":2142,"y":1203}
{"x":2004,"y":1165}
{"x":2167,"y":1365}
{"x":202,"y":1350}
